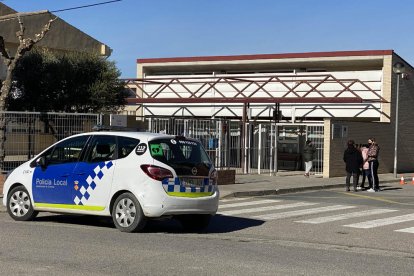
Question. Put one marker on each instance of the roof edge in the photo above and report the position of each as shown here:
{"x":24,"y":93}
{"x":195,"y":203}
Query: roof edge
{"x":268,"y":56}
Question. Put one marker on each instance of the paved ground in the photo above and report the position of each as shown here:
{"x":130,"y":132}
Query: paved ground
{"x":290,"y":182}
{"x":287,"y":182}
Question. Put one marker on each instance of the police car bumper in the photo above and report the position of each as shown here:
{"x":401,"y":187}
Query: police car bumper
{"x":174,"y":205}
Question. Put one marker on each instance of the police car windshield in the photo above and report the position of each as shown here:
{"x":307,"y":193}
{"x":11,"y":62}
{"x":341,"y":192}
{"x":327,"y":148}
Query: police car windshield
{"x":178,"y":151}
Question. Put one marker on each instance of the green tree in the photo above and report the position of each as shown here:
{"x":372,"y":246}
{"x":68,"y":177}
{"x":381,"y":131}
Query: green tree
{"x":66,"y":82}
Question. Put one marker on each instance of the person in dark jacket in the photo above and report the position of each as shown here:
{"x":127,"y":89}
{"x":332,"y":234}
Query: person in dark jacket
{"x":309,"y":152}
{"x":353,"y":160}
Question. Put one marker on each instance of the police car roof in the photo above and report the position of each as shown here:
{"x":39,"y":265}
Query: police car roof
{"x":135,"y":134}
{"x":132,"y":134}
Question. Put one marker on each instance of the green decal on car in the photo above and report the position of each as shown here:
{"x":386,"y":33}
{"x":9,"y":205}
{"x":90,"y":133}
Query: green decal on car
{"x":156,"y":150}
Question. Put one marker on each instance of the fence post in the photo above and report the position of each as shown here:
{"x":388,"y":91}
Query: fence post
{"x":259,"y":157}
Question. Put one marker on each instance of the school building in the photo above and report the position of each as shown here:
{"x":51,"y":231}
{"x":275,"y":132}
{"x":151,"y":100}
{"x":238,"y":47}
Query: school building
{"x":328,"y":97}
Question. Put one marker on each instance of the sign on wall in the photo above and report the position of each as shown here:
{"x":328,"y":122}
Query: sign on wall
{"x":339,"y":131}
{"x":118,"y":120}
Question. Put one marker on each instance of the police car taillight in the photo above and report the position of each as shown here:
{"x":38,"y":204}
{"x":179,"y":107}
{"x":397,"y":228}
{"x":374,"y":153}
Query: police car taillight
{"x":214,"y":175}
{"x":156,"y":172}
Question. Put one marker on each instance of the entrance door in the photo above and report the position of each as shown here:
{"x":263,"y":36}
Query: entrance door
{"x":316,"y":134}
{"x":290,"y":143}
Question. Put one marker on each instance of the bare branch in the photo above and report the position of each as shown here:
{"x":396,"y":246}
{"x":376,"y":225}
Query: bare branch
{"x":20,"y":33}
{"x":26,"y":44}
{"x":45,"y":29}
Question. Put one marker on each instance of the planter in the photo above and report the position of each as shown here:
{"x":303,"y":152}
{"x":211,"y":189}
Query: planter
{"x":226,"y":177}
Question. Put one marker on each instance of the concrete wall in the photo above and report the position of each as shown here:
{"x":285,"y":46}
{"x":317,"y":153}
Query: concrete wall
{"x":360,"y":132}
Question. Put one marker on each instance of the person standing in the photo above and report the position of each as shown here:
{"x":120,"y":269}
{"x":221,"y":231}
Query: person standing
{"x":353,"y":160}
{"x":373,"y":152}
{"x":309,"y":152}
{"x":365,"y":165}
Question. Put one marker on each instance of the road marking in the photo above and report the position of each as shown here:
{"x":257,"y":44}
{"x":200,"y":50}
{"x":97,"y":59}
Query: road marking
{"x":267,"y":208}
{"x":382,"y":222}
{"x":346,"y":216}
{"x":406,"y":230}
{"x":303,"y":212}
{"x":376,"y":198}
{"x":233,"y":199}
{"x":240,"y":204}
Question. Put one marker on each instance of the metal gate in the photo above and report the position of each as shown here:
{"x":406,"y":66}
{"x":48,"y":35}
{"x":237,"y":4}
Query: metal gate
{"x":316,"y":134}
{"x":256,"y":148}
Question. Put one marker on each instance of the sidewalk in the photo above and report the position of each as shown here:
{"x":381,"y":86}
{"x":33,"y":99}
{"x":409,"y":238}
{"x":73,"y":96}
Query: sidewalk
{"x":290,"y":182}
{"x":286,"y":182}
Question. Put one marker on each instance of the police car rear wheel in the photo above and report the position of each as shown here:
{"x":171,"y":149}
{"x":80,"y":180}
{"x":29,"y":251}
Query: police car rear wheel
{"x":194,"y":223}
{"x":19,"y":205}
{"x":127,"y":213}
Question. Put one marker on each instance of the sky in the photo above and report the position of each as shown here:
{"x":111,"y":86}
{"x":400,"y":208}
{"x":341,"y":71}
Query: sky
{"x":183,"y":28}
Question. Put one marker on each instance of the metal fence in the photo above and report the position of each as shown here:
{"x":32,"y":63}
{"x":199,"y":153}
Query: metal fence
{"x":28,"y":133}
{"x":250,"y":148}
{"x":256,"y":148}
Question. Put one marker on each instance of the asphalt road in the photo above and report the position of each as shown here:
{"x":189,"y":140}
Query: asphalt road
{"x":267,"y":236}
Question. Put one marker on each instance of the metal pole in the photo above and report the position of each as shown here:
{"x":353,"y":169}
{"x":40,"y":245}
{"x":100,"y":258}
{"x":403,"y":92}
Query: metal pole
{"x":396,"y":127}
{"x":259,"y":162}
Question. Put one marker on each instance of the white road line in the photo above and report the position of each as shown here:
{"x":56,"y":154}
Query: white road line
{"x":233,"y":199}
{"x":382,"y":222}
{"x":240,"y":204}
{"x":346,"y":216}
{"x":267,"y":208}
{"x":406,"y":230}
{"x":303,"y":212}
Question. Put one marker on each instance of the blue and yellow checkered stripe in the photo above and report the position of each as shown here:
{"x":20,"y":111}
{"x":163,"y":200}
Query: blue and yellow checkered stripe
{"x":174,"y":187}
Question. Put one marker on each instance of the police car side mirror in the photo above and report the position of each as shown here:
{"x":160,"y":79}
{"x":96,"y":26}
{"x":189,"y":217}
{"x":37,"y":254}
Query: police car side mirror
{"x":41,"y":161}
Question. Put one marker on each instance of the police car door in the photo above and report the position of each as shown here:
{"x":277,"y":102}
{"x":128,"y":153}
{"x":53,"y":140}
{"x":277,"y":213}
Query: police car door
{"x":51,"y":184}
{"x":92,"y":177}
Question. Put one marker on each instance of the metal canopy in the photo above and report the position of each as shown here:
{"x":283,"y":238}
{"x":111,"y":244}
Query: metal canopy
{"x":289,"y":88}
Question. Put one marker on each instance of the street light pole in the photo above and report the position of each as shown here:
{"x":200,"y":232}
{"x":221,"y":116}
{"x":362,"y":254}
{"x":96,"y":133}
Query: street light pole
{"x":398,"y":69}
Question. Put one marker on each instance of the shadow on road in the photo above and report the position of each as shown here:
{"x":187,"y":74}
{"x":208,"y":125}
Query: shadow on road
{"x":218,"y":224}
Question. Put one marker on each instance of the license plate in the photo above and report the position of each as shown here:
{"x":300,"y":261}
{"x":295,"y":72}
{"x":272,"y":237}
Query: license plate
{"x":192,"y":182}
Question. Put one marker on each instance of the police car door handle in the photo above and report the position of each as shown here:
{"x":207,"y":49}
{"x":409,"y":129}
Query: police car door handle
{"x":80,"y":173}
{"x":65,"y":175}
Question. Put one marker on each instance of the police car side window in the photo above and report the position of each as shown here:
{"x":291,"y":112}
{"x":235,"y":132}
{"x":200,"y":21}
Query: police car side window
{"x":66,"y":151}
{"x":126,"y":145}
{"x":102,"y":148}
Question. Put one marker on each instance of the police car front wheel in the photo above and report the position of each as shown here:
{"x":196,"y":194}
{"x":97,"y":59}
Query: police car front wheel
{"x":127,"y":213}
{"x":19,"y":204}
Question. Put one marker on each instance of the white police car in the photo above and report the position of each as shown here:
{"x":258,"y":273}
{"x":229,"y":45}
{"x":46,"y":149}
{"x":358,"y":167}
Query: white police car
{"x":130,"y":176}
